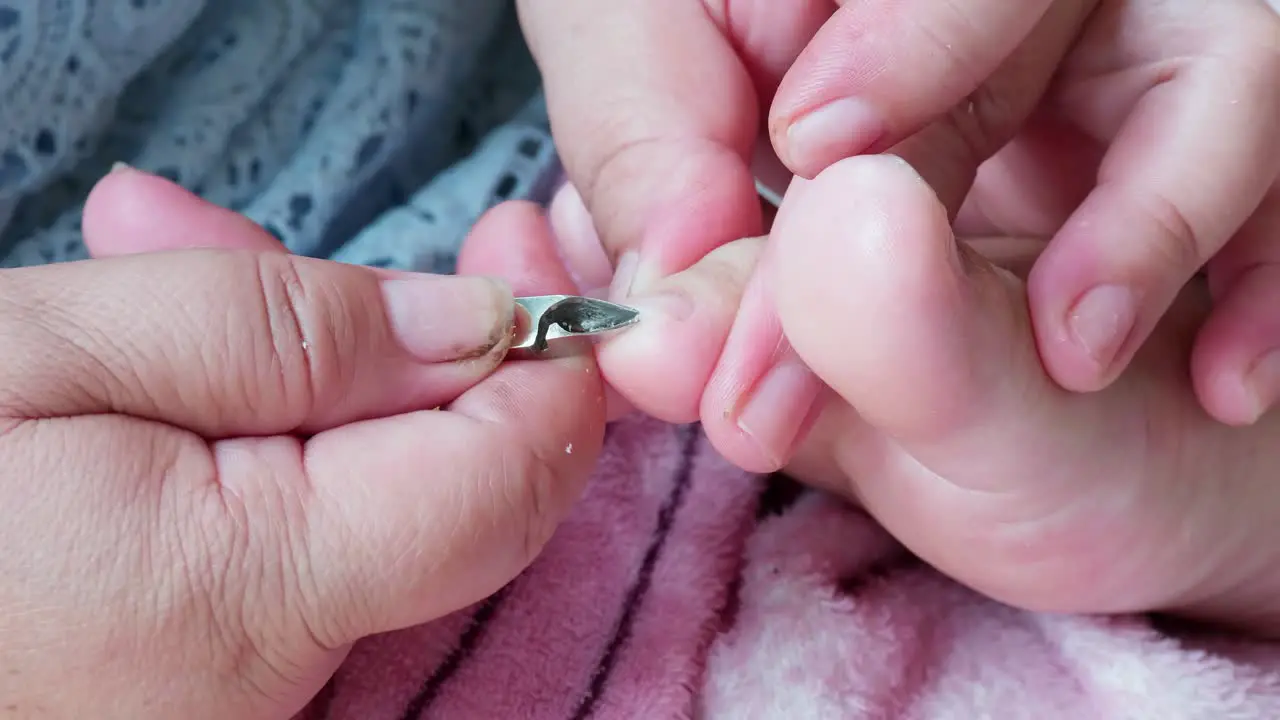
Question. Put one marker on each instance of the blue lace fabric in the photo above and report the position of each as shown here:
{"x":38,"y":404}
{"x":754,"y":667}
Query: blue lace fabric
{"x":370,"y":131}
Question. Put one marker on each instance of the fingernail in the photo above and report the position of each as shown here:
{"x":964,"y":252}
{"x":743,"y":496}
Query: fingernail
{"x":568,"y":212}
{"x":644,"y":277}
{"x":442,"y":318}
{"x":576,"y":239}
{"x":1101,"y":320}
{"x":1264,"y":382}
{"x":120,"y":167}
{"x":778,"y":407}
{"x":841,"y":128}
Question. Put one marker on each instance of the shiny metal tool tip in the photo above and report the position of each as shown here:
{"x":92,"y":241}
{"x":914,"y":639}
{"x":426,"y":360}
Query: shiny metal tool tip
{"x":545,"y":318}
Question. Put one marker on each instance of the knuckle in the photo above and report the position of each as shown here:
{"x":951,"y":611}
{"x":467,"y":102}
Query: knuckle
{"x":620,"y":166}
{"x":960,"y":140}
{"x":1175,"y":243}
{"x":619,"y":163}
{"x":980,"y":125}
{"x":646,"y":166}
{"x":284,"y":304}
{"x":299,"y":341}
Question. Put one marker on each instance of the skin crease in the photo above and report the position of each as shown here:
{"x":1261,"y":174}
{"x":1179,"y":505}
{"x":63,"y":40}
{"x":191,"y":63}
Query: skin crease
{"x":195,"y":546}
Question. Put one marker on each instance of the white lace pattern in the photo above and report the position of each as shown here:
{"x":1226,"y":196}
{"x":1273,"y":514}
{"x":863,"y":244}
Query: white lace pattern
{"x":312,"y":117}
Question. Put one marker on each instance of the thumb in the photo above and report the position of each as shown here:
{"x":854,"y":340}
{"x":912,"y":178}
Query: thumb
{"x":242,"y":342}
{"x":414,"y":516}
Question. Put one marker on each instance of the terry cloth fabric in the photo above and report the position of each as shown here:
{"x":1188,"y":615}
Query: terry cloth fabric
{"x":683,"y":588}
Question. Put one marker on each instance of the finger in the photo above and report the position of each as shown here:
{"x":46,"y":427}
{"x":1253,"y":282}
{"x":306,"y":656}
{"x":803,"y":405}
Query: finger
{"x":962,"y":447}
{"x":879,"y":72}
{"x":1157,"y":216}
{"x":243,"y":343}
{"x":457,"y":502}
{"x":1235,"y":365}
{"x":656,"y":117}
{"x":949,"y":151}
{"x":130,"y":212}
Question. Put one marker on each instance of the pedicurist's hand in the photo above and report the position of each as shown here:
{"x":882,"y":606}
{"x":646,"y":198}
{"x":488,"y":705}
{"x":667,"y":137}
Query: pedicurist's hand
{"x":935,"y":411}
{"x":223,"y":467}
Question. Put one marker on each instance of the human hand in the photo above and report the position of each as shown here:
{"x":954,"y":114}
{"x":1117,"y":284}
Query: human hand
{"x":1136,"y":133}
{"x":222,"y":468}
{"x":942,"y":421}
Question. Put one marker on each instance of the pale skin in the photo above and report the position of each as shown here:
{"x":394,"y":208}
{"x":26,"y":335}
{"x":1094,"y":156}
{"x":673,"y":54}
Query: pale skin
{"x":964,"y":409}
{"x":939,"y":417}
{"x":172,"y":554}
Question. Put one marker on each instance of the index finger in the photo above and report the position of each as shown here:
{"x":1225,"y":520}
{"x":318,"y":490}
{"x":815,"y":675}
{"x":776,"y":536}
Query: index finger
{"x":879,"y":71}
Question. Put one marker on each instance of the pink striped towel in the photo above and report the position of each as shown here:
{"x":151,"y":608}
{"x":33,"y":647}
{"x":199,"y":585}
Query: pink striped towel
{"x":683,"y":588}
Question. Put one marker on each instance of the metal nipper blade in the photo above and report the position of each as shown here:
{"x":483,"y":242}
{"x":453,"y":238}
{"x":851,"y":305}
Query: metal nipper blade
{"x":543,"y":318}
